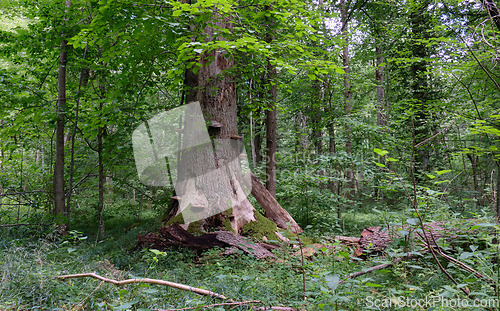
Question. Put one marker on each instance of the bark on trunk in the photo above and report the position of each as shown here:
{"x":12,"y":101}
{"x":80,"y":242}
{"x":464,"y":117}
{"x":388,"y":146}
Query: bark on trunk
{"x":59,"y":204}
{"x":216,"y":93}
{"x":272,"y":208}
{"x":258,"y":138}
{"x":100,"y":205}
{"x":498,"y":191}
{"x":419,"y":23}
{"x":1,"y":170}
{"x":347,"y":95}
{"x":82,"y":82}
{"x":381,"y":113}
{"x":473,"y":161}
{"x":271,"y":144}
{"x":379,"y":77}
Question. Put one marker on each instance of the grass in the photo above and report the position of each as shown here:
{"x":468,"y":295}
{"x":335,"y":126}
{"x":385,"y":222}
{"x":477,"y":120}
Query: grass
{"x":30,"y":258}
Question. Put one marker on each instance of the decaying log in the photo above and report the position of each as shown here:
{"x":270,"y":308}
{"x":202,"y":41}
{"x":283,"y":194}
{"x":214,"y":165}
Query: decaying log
{"x":273,"y":210}
{"x":243,"y":244}
{"x":175,"y":235}
{"x":377,"y":239}
{"x":144,"y":280}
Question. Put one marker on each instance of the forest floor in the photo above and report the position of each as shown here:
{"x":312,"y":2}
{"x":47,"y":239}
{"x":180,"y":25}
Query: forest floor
{"x":31,"y":258}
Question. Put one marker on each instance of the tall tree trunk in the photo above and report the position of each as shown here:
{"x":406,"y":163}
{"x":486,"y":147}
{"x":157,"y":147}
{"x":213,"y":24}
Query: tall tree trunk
{"x":419,"y":85}
{"x":473,"y":161}
{"x":258,"y":137}
{"x":2,"y":171}
{"x":219,"y":193}
{"x":498,"y":191}
{"x":100,"y":135}
{"x":271,"y":143}
{"x":200,"y":197}
{"x":379,"y":78}
{"x":381,"y":113}
{"x":347,"y":95}
{"x":100,"y":205}
{"x":83,"y":82}
{"x":59,"y":195}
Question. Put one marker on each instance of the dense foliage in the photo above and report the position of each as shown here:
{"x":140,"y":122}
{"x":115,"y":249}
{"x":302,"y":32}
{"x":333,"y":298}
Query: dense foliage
{"x":388,"y":113}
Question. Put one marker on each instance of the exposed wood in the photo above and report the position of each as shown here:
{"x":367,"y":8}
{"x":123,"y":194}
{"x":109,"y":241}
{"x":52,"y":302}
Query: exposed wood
{"x":246,"y":245}
{"x":175,"y":235}
{"x":273,"y":210}
{"x":144,"y":280}
{"x":347,"y":239}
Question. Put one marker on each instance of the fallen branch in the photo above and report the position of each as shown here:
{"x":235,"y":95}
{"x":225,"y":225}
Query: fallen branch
{"x":145,"y":280}
{"x":374,"y":268}
{"x":17,"y":225}
{"x":238,"y":303}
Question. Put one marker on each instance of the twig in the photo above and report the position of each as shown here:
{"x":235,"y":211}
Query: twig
{"x":145,"y":280}
{"x":238,"y":303}
{"x":15,"y":225}
{"x":80,"y":304}
{"x":374,"y":268}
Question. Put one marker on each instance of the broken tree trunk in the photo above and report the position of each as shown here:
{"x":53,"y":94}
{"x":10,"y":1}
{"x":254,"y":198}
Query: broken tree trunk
{"x":274,"y":211}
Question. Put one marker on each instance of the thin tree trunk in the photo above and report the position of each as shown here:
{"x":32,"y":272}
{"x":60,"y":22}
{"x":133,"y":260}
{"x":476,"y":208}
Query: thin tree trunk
{"x":419,"y":83}
{"x":100,"y":206}
{"x":271,"y":144}
{"x":252,"y":136}
{"x":2,"y":171}
{"x":347,"y":95}
{"x":381,"y":115}
{"x":493,"y":11}
{"x":82,"y":82}
{"x":498,"y":191}
{"x":59,"y":195}
{"x":473,"y":161}
{"x":379,"y":77}
{"x":100,"y":134}
{"x":258,"y":137}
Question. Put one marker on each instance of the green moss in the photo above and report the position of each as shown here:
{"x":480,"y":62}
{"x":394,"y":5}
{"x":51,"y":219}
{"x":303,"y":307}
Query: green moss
{"x":262,"y":227}
{"x":227,"y":225}
{"x":195,"y":228}
{"x":177,"y":219}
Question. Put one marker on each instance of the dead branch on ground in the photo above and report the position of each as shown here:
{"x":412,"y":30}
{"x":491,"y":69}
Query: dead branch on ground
{"x":145,"y":280}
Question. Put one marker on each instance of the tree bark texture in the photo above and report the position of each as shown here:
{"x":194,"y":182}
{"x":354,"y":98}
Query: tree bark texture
{"x":271,"y":143}
{"x":347,"y":94}
{"x":216,"y":93}
{"x":419,"y":83}
{"x":272,"y":208}
{"x":59,"y":204}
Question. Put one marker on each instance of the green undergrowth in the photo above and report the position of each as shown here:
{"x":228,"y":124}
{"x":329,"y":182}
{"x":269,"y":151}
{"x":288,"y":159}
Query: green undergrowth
{"x":30,"y":258}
